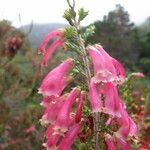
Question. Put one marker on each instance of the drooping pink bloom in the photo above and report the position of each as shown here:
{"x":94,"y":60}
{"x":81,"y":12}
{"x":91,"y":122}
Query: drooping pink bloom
{"x":95,"y":100}
{"x":56,"y":80}
{"x":64,"y":116}
{"x":112,"y":103}
{"x":109,"y":142}
{"x":69,"y":138}
{"x":78,"y":115}
{"x":51,"y":112}
{"x":119,"y":70}
{"x":138,"y":74}
{"x":106,"y":68}
{"x":127,"y":125}
{"x":57,"y":33}
{"x":50,"y":51}
{"x":103,"y":67}
{"x":52,"y":138}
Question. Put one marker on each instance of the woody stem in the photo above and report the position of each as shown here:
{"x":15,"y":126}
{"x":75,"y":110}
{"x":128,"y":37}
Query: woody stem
{"x":88,"y":79}
{"x":88,"y":76}
{"x":85,"y":60}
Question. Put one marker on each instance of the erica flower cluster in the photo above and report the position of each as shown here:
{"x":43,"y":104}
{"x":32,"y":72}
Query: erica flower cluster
{"x":104,"y":97}
{"x":63,"y":111}
{"x":60,"y":117}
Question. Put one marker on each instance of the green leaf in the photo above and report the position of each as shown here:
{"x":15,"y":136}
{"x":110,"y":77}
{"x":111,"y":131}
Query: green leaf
{"x":70,"y":32}
{"x":68,"y":16}
{"x":82,"y":14}
{"x":89,"y":32}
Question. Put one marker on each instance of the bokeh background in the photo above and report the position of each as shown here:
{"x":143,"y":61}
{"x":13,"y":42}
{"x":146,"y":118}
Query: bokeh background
{"x":122,"y":28}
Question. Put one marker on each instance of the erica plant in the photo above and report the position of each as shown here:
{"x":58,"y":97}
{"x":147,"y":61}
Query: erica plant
{"x":92,"y":110}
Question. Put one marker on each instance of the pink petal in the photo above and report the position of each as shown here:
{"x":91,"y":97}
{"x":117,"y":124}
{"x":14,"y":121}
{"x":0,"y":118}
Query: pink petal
{"x":51,"y":112}
{"x":133,"y":128}
{"x":127,"y":125}
{"x":95,"y":100}
{"x":123,"y":144}
{"x":69,"y":138}
{"x":64,"y":120}
{"x":79,"y":108}
{"x":112,"y":101}
{"x":42,"y":48}
{"x":106,"y":68}
{"x":119,"y":68}
{"x":103,"y":68}
{"x":50,"y":51}
{"x":109,"y":121}
{"x":47,"y":101}
{"x":109,"y":142}
{"x":107,"y":57}
{"x":52,"y":138}
{"x":56,"y":80}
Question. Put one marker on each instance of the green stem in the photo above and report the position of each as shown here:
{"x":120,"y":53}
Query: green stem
{"x":88,"y":79}
{"x":85,"y":60}
{"x":88,"y":76}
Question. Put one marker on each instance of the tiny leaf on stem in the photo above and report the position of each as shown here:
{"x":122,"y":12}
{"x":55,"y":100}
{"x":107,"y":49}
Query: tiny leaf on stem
{"x":82,"y":14}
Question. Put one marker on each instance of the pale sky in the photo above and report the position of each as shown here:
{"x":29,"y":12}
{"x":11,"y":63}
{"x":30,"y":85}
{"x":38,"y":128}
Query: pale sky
{"x":50,"y":11}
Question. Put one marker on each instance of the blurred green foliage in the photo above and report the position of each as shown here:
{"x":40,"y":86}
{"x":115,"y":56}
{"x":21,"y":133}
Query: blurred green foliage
{"x":19,"y":101}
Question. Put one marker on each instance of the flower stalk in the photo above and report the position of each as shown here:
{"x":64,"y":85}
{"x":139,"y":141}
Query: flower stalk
{"x":87,"y":72}
{"x":67,"y":115}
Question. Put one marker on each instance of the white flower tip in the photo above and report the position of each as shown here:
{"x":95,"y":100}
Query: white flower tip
{"x":44,"y":145}
{"x":44,"y":122}
{"x":40,"y":91}
{"x":42,"y":104}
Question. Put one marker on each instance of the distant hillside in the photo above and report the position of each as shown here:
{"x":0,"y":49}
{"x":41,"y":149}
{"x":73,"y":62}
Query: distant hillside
{"x":36,"y":32}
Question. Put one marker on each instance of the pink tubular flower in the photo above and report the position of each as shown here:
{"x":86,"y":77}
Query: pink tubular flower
{"x":56,"y":80}
{"x":51,"y":137}
{"x":57,"y":33}
{"x":106,"y":68}
{"x":64,"y":119}
{"x":51,"y":112}
{"x":112,"y":103}
{"x":109,"y":142}
{"x":50,"y":51}
{"x":102,"y":68}
{"x":95,"y":100}
{"x":127,"y":126}
{"x":69,"y":138}
{"x":78,"y":115}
